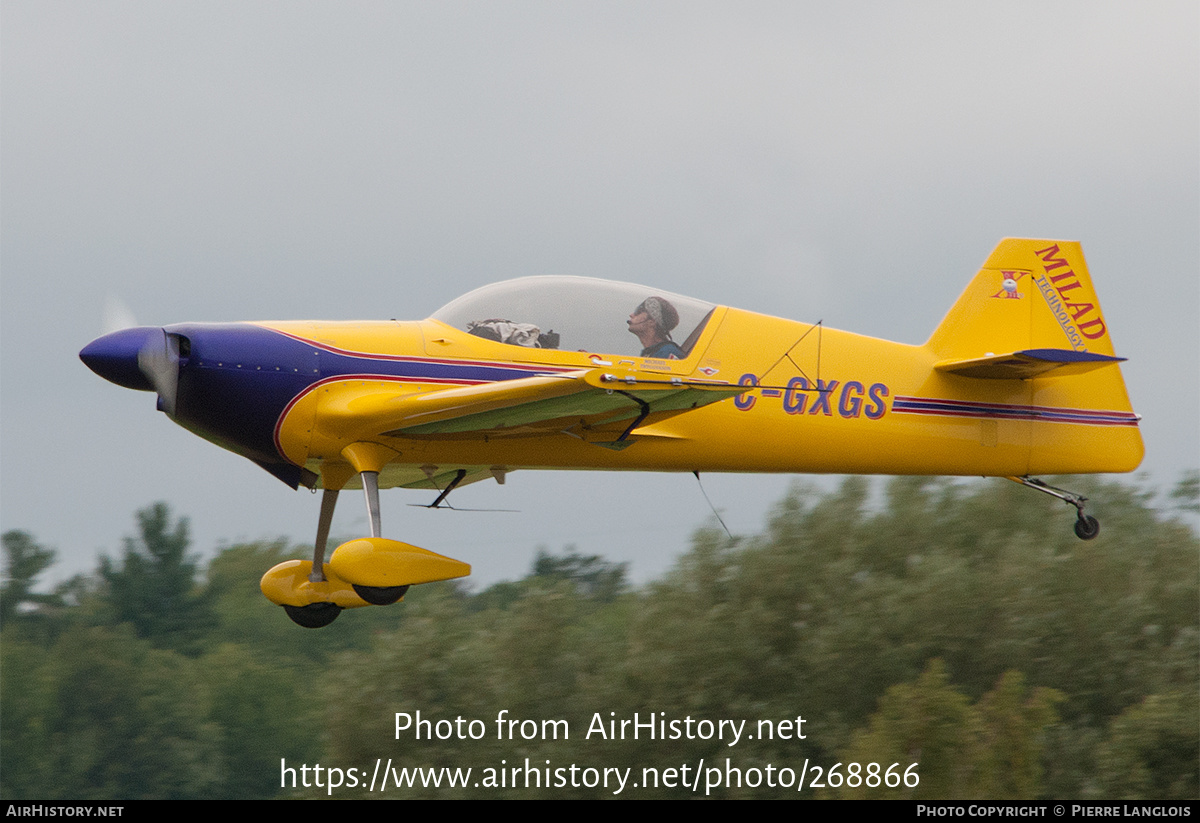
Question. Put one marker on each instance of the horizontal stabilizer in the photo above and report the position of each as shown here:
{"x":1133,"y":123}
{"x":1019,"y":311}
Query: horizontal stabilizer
{"x":1023,"y":365}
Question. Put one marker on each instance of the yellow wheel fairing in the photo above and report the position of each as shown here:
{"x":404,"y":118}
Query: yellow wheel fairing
{"x":383,"y":563}
{"x":287,"y":584}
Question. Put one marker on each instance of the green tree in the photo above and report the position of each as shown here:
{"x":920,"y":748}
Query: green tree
{"x":104,"y":715}
{"x":1015,"y":722}
{"x":1186,"y":493}
{"x":929,"y":723}
{"x":992,"y":749}
{"x":591,"y":575}
{"x":440,"y":663}
{"x":24,"y":560}
{"x":154,"y":588}
{"x":1151,"y":750}
{"x":25,"y":713}
{"x":262,"y":711}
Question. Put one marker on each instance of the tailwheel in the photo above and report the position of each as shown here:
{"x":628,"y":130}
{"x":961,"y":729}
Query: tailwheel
{"x":314,"y":615}
{"x":380,"y":595}
{"x":1086,"y":528}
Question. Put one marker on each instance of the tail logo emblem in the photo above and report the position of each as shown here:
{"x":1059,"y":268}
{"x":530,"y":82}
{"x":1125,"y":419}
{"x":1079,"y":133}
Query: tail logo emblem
{"x":1009,"y":290}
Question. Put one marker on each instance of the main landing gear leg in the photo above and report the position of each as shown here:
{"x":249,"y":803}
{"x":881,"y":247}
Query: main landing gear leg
{"x":376,"y":595}
{"x":1086,"y":526}
{"x":319,"y":615}
{"x":328,"y":502}
{"x":370,"y":481}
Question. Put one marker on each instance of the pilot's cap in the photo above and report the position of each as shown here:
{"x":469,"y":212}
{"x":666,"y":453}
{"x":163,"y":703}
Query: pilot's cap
{"x":660,"y":311}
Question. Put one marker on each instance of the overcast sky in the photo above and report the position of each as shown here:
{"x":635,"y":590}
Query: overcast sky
{"x":851,"y":162}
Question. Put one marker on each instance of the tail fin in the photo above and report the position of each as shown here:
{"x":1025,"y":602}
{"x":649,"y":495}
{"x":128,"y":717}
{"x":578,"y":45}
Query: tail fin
{"x":1030,"y":294}
{"x":1031,"y":314}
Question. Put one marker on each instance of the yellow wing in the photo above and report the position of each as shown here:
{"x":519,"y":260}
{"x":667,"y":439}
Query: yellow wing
{"x":616,"y":402}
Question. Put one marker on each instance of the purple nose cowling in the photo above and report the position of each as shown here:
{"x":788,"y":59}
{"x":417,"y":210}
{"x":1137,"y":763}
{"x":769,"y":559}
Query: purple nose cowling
{"x":115,"y":357}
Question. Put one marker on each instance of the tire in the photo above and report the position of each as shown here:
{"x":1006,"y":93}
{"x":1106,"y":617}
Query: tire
{"x":1087,"y":527}
{"x":313,"y":616}
{"x":380,"y":595}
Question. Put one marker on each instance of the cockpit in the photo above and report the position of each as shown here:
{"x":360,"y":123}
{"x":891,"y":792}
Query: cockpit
{"x":581,"y":314}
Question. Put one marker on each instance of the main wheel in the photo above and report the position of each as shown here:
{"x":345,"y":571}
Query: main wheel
{"x":1087,"y":527}
{"x":314,"y":615}
{"x":380,"y":595}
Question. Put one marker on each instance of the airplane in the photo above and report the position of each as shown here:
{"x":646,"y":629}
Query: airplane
{"x":1019,"y":379}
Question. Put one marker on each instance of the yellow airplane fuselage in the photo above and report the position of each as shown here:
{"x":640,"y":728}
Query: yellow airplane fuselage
{"x":841,"y":418}
{"x":816,"y":399}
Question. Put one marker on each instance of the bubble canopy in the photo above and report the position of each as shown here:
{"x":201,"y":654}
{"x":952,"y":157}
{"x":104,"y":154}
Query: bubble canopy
{"x":585,"y":314}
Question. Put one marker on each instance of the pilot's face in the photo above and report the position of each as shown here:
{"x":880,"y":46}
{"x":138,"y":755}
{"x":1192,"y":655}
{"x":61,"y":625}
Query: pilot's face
{"x":639,"y":321}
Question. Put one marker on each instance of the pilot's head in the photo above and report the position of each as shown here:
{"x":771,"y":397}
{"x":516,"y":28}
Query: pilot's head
{"x":656,"y":314}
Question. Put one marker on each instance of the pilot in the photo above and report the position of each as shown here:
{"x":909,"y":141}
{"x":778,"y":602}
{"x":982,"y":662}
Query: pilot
{"x":652,"y":322}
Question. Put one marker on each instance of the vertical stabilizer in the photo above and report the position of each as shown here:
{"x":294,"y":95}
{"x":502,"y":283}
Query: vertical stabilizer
{"x":1031,"y":315}
{"x":1030,"y":294}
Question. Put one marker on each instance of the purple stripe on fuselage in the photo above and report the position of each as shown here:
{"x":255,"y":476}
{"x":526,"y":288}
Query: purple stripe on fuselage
{"x":1050,"y":414}
{"x":237,"y":379}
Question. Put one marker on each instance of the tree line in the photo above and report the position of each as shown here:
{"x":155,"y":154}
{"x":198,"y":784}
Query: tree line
{"x":960,"y":626}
